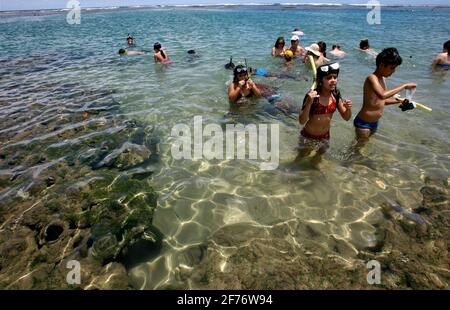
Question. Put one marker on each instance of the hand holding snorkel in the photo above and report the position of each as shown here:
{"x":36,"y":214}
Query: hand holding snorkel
{"x":408,"y":103}
{"x":312,"y":94}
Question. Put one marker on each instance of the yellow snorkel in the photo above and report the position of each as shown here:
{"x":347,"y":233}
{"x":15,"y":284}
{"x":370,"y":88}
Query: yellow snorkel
{"x":416,"y":104}
{"x":314,"y":71}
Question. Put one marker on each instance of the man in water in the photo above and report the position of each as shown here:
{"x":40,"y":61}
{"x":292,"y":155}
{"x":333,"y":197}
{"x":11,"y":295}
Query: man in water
{"x":337,"y":52}
{"x":296,"y":48}
{"x":443,"y":59}
{"x":365,"y":47}
{"x":125,"y":52}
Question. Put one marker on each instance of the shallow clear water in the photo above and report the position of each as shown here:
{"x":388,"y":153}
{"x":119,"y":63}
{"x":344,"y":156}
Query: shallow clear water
{"x":51,"y":72}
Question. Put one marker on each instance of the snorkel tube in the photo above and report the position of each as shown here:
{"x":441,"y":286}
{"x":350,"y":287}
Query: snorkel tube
{"x":314,"y":71}
{"x":416,"y":104}
{"x":248,"y":76}
{"x":409,"y":94}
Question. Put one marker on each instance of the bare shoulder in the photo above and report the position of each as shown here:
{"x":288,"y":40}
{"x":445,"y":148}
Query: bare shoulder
{"x":373,"y":79}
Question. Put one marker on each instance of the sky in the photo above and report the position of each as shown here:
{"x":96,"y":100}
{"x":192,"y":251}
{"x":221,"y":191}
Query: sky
{"x":6,"y":5}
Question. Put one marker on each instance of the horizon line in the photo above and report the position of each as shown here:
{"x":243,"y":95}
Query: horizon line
{"x":285,"y":4}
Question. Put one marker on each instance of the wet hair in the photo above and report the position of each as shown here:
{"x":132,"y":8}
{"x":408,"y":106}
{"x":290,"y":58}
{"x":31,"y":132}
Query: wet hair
{"x":364,"y":44}
{"x":122,"y":51}
{"x":157,"y":46}
{"x":191,"y":52}
{"x":322,"y":48}
{"x":235,"y":72}
{"x":447,"y":46}
{"x":336,"y":46}
{"x":279,"y":41}
{"x":389,"y":56}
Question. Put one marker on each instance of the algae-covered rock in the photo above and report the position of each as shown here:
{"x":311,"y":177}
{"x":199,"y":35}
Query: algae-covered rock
{"x":127,"y":156}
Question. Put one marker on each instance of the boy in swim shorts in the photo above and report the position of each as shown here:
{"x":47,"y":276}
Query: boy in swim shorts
{"x":376,"y":95}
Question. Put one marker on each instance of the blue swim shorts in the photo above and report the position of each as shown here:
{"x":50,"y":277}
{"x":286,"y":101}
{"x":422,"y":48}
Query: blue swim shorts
{"x":359,"y":123}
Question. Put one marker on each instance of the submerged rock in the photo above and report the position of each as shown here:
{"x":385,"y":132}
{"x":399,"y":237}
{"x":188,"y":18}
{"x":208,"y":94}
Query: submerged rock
{"x":105,"y":248}
{"x":127,"y":156}
{"x":142,"y":246}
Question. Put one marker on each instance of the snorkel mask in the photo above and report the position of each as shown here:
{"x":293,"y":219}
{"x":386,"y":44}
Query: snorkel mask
{"x":328,"y":69}
{"x":240,"y":69}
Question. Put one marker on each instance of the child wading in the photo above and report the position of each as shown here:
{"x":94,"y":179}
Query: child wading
{"x":376,"y":95}
{"x":318,"y":108}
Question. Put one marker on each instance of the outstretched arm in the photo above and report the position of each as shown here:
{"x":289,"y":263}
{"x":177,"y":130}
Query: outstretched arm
{"x":392,"y":101}
{"x":386,"y":94}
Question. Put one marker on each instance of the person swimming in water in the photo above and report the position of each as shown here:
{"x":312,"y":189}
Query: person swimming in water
{"x":442,"y":60}
{"x":126,"y":52}
{"x":317,"y":111}
{"x":364,"y":46}
{"x":242,"y":86}
{"x":230,"y":65}
{"x":336,"y":51}
{"x":130,"y":40}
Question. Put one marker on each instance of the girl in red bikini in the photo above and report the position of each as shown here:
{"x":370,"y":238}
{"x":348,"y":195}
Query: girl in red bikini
{"x":318,"y":108}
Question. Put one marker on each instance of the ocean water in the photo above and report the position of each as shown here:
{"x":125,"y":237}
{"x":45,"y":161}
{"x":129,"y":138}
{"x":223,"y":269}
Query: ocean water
{"x":51,"y":72}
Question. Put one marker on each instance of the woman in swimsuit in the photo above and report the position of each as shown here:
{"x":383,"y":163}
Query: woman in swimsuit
{"x":318,"y":108}
{"x":242,"y":86}
{"x":160,"y":55}
{"x":279,"y":49}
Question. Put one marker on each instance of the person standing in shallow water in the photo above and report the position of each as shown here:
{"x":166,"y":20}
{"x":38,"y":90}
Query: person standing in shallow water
{"x":159,"y":55}
{"x":317,"y":111}
{"x":443,"y":59}
{"x":242,"y":87}
{"x":376,"y":95}
{"x":296,"y":48}
{"x":279,"y":48}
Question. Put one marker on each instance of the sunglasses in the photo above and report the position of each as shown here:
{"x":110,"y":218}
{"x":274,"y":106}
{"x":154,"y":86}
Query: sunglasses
{"x":331,"y":67}
{"x":241,"y":70}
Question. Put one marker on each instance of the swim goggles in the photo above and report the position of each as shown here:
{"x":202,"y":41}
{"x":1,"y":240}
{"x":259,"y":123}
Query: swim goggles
{"x":329,"y":68}
{"x":241,"y":70}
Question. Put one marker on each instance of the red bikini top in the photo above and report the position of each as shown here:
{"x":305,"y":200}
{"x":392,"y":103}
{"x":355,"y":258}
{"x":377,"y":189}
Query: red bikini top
{"x":318,"y":108}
